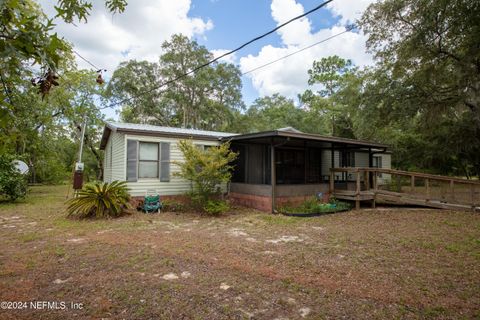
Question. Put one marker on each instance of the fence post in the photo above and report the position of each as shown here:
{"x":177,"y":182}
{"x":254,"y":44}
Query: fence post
{"x":332,"y":181}
{"x":367,"y":180}
{"x":452,"y":190}
{"x":472,"y":194}
{"x":427,"y":186}
{"x":412,"y":183}
{"x":357,"y":191}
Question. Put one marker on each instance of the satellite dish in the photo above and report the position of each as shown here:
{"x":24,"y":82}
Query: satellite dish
{"x":21,"y":166}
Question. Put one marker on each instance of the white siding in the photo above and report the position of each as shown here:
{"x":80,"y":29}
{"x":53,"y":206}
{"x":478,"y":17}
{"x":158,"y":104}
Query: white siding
{"x":386,"y":164}
{"x":175,"y":186}
{"x":327,"y":162}
{"x":361,"y":159}
{"x":107,"y":168}
{"x":118,"y":156}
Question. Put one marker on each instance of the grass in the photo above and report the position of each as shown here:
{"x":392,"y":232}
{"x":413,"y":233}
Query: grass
{"x":371,"y":264}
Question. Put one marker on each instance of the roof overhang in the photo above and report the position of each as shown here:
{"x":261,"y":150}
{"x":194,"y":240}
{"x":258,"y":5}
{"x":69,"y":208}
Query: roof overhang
{"x":110,"y":128}
{"x":105,"y":135}
{"x":289,"y":135}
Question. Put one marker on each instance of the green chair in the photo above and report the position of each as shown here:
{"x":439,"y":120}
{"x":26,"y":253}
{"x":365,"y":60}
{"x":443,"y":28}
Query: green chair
{"x":152,"y":203}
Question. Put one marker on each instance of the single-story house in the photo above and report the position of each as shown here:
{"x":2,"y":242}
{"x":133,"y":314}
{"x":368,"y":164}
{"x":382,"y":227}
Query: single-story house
{"x":299,"y":162}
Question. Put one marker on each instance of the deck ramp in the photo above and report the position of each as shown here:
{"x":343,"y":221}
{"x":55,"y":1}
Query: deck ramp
{"x":405,"y":188}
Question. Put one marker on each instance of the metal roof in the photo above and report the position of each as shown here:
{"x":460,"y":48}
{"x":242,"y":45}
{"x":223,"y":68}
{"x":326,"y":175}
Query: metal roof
{"x":305,"y":136}
{"x":160,"y":129}
{"x":287,"y":132}
{"x":135,"y":128}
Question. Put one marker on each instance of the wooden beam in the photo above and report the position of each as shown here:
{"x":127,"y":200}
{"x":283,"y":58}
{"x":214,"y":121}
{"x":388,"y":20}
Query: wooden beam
{"x":357,"y":190}
{"x":427,"y":188}
{"x":452,"y":190}
{"x":399,"y":184}
{"x":332,"y":182}
{"x":305,"y":153}
{"x":472,"y":195}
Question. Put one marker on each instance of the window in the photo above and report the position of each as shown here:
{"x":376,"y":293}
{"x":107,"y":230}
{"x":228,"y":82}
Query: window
{"x":203,"y":147}
{"x":347,"y":159}
{"x":148,"y":160}
{"x":377,"y":162}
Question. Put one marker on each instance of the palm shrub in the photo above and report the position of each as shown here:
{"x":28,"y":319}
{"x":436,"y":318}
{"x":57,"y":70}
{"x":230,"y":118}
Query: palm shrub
{"x":100,"y":200}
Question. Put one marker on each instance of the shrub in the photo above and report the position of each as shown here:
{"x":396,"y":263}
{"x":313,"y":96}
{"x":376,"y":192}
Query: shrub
{"x":100,"y":200}
{"x":215,"y":207}
{"x":206,"y":169}
{"x":174,"y":206}
{"x":312,"y":205}
{"x":13,"y":184}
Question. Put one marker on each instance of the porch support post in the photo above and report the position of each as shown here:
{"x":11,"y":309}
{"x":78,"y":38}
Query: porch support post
{"x":357,"y":189}
{"x":332,"y":165}
{"x":305,"y":154}
{"x":332,"y":153}
{"x":273,"y":177}
{"x":370,"y":165}
{"x":370,"y":157}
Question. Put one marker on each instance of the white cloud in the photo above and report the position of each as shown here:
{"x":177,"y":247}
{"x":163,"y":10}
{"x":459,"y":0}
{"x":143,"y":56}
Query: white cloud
{"x":349,"y":11}
{"x":295,"y":32}
{"x":232,"y":58}
{"x":137,"y":33}
{"x":289,"y":76}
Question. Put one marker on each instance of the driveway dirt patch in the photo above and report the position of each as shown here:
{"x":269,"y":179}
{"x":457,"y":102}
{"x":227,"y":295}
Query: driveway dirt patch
{"x":369,"y":264}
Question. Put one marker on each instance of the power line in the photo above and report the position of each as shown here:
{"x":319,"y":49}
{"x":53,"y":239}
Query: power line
{"x":84,"y":59}
{"x":219,"y":57}
{"x":349,"y":28}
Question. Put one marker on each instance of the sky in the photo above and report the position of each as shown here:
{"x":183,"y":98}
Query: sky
{"x":222,"y":25}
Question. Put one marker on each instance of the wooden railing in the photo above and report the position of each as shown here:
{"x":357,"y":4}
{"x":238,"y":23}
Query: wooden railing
{"x":408,"y":187}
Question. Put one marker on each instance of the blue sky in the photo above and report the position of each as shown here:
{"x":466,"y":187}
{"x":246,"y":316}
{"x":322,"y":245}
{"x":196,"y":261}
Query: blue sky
{"x":236,"y":22}
{"x":222,"y":25}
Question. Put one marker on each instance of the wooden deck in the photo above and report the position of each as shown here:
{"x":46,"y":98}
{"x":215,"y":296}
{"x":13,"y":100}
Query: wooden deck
{"x":408,"y":188}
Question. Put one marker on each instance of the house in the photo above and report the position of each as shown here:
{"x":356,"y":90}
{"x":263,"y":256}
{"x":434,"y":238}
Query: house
{"x":299,"y":162}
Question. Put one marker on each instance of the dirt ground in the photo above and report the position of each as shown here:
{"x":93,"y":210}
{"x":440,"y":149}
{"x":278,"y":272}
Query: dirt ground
{"x":399,"y":263}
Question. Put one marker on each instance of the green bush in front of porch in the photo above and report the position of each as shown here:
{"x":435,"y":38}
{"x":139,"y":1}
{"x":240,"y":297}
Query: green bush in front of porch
{"x":314,"y":206}
{"x":207,"y":170}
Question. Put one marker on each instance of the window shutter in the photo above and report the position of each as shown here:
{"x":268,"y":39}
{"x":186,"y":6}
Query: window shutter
{"x":165,"y":161}
{"x":132,"y":158}
{"x":379,"y":162}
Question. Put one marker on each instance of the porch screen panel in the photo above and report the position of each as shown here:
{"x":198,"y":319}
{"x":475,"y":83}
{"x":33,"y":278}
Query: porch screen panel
{"x":268,"y":165}
{"x":255,"y":164}
{"x":314,"y":165}
{"x":132,"y":158}
{"x":239,"y":164}
{"x":290,"y":166}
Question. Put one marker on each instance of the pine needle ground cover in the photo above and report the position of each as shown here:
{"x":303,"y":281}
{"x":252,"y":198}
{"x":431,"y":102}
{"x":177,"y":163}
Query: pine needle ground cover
{"x":367,"y":264}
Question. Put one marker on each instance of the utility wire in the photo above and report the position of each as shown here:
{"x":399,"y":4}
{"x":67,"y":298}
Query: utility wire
{"x":219,"y":57}
{"x":84,"y":59}
{"x":349,"y":28}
